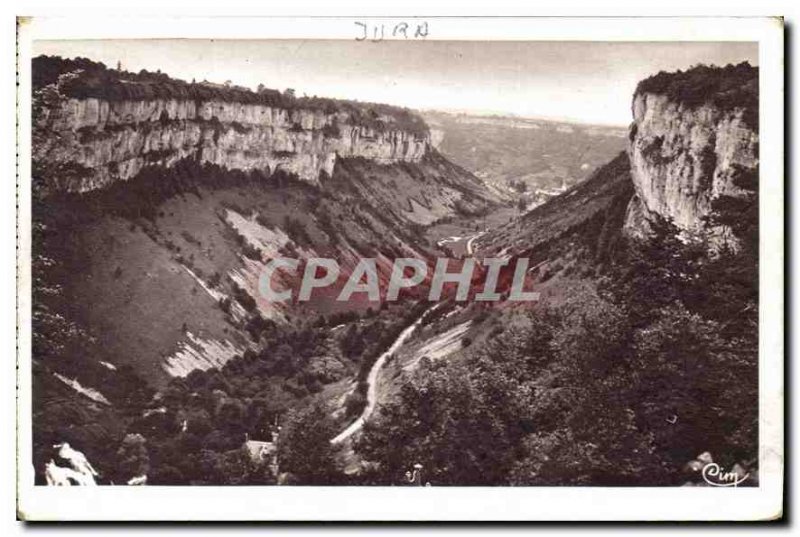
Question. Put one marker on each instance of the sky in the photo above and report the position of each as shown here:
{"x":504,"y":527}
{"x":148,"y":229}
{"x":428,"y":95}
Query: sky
{"x":590,"y":82}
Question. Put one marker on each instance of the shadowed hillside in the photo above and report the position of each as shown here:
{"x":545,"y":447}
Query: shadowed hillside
{"x":157,"y":205}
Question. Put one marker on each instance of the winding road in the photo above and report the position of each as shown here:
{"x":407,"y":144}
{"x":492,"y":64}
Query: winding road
{"x":471,"y":241}
{"x":372,"y":380}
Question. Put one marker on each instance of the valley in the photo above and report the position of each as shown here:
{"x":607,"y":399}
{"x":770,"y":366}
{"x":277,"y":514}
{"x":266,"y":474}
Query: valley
{"x":527,"y":160}
{"x":158,"y":204}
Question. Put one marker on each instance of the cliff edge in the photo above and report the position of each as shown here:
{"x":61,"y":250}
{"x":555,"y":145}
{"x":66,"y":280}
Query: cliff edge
{"x":693,"y":142}
{"x":95,"y":126}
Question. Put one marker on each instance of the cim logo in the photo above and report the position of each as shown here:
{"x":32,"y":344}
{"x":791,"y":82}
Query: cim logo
{"x":716,"y":476}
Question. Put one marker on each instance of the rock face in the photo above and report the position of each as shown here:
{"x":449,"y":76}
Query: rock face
{"x":96,"y":142}
{"x":684,"y":157}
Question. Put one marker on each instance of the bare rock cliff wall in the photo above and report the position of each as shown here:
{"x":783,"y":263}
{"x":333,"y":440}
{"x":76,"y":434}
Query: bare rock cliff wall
{"x":95,"y":142}
{"x":682,"y":158}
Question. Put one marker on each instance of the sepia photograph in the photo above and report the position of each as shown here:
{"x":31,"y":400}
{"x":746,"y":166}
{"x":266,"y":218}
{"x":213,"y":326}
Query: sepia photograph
{"x":386,"y":257}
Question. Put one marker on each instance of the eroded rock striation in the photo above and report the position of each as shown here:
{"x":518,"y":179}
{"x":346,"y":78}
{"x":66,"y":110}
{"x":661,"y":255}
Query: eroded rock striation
{"x":94,"y":126}
{"x":106,"y":141}
{"x":691,"y":147}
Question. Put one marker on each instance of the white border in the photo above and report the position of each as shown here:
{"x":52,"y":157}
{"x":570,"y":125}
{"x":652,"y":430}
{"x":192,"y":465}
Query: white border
{"x":456,"y":503}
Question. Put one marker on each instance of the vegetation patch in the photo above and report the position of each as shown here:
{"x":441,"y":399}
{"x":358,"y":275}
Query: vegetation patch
{"x":727,"y":88}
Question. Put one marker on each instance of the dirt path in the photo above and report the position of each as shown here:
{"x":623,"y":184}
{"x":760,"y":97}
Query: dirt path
{"x":372,"y":379}
{"x":471,"y":241}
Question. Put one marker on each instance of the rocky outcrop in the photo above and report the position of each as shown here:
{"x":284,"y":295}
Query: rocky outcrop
{"x":89,"y":143}
{"x":683,"y":157}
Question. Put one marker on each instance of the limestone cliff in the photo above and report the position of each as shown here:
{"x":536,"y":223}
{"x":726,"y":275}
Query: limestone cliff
{"x":93,"y":126}
{"x":105,"y":141}
{"x":690,"y":146}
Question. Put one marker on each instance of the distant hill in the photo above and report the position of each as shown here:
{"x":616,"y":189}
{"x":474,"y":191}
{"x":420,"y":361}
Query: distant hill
{"x":534,"y":158}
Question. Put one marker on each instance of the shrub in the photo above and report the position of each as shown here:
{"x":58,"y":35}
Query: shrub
{"x":296,"y":231}
{"x":250,"y":251}
{"x":243,"y":298}
{"x":331,"y":130}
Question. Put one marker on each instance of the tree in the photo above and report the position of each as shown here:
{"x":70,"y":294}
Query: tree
{"x":461,"y":421}
{"x":304,"y":447}
{"x":133,"y":457}
{"x":690,"y":385}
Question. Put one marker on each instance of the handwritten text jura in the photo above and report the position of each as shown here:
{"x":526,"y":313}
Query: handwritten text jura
{"x":401,"y":30}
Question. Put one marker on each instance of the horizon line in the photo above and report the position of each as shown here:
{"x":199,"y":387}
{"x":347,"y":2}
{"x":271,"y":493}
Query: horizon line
{"x":451,"y":111}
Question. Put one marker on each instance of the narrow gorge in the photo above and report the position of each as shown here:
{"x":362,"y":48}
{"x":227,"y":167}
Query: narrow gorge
{"x":159,"y":203}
